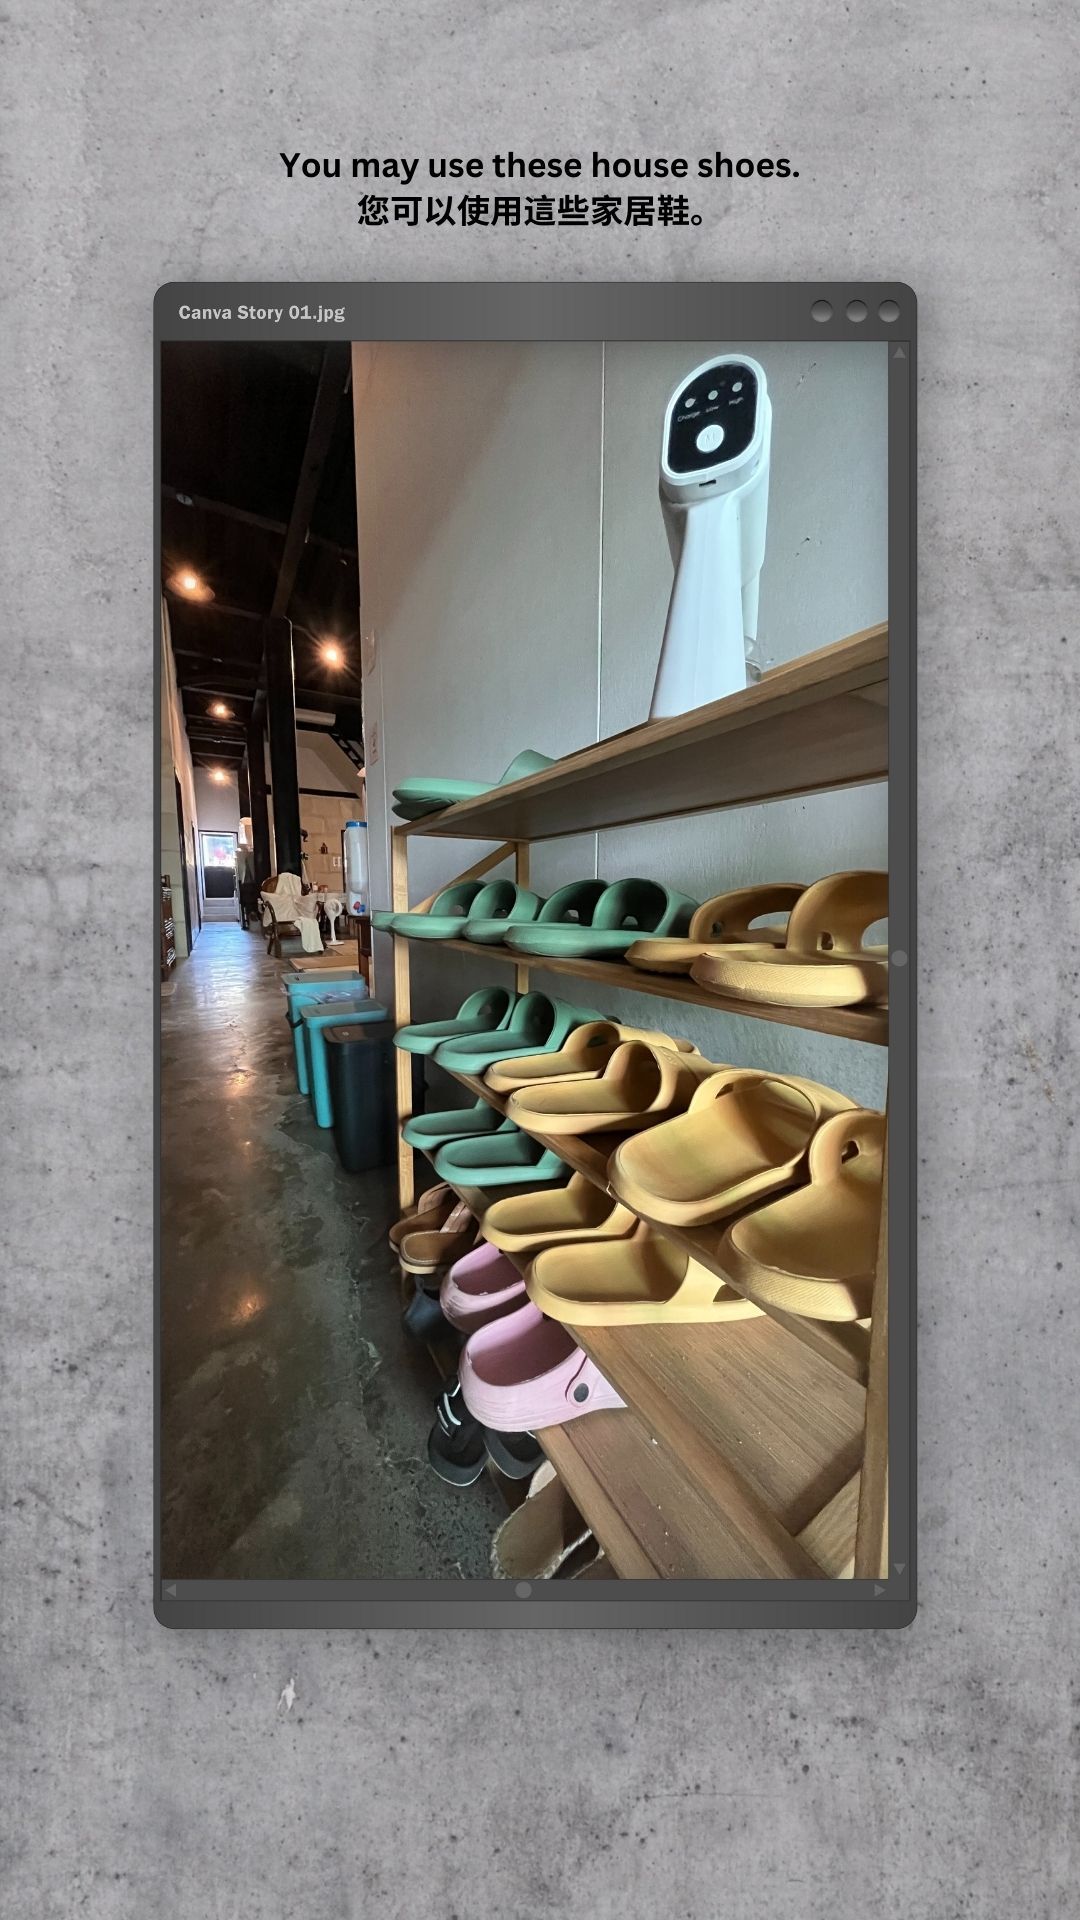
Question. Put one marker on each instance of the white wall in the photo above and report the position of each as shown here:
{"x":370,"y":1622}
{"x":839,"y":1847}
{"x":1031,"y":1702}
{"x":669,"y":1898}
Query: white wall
{"x":515,"y":574}
{"x":176,"y":766}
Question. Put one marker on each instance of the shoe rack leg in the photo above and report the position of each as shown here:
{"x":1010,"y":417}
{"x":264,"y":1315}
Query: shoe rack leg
{"x":521,"y":875}
{"x":872,"y":1530}
{"x":399,"y":890}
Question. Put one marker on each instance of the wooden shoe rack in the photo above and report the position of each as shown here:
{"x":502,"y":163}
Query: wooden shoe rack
{"x":756,"y":1449}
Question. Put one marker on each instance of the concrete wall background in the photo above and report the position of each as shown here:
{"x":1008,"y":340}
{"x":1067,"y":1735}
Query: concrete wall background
{"x":767,"y":1776}
{"x":515,"y":575}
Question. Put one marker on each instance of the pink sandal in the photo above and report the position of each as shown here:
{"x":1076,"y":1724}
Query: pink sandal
{"x":483,"y":1285}
{"x":523,"y":1372}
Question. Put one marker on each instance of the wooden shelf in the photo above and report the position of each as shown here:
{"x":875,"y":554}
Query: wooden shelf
{"x":735,"y":1439}
{"x":819,"y":723}
{"x":851,"y":1023}
{"x":844,"y":1345}
{"x":755,"y":1449}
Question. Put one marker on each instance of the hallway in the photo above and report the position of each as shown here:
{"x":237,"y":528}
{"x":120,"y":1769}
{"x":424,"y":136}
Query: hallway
{"x":295,"y":1411}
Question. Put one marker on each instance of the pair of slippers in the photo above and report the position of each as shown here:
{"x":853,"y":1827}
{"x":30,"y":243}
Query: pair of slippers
{"x":518,"y":1370}
{"x":459,"y":1445}
{"x":546,"y":1538}
{"x":476,"y":1147}
{"x":495,"y":1024}
{"x":438,"y":1232}
{"x":823,"y":959}
{"x":425,"y":794}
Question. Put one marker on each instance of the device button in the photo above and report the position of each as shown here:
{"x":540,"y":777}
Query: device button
{"x":709,"y":438}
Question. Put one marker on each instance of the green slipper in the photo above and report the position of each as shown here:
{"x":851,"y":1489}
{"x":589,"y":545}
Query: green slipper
{"x":431,"y":1130}
{"x":569,"y":909}
{"x":537,"y":1025}
{"x":483,"y":1012}
{"x":496,"y":906}
{"x":627,"y":911}
{"x":444,"y":919}
{"x":431,"y":795}
{"x":505,"y":1159}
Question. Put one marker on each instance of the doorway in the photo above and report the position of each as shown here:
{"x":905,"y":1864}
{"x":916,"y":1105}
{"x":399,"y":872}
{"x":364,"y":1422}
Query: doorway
{"x":219,"y":875}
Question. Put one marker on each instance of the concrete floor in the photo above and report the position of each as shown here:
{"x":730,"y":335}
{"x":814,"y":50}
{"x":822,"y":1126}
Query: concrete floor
{"x":295,"y":1410}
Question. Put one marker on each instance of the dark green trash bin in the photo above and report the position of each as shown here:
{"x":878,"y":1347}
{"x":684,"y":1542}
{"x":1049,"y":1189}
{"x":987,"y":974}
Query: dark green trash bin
{"x":361,"y":1064}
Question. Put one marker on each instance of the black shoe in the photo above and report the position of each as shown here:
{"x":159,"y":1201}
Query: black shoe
{"x":424,"y":1318}
{"x":456,"y":1448}
{"x":515,"y":1454}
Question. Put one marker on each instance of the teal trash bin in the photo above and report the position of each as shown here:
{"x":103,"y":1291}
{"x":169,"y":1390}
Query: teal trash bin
{"x":315,"y":1018}
{"x":305,"y":991}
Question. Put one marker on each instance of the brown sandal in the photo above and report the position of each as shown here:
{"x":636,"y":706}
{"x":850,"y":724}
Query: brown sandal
{"x":430,"y":1212}
{"x":424,"y":1251}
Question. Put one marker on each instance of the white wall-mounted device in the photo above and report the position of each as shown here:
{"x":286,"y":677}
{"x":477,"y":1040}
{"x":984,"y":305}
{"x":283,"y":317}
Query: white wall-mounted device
{"x":714,"y":492}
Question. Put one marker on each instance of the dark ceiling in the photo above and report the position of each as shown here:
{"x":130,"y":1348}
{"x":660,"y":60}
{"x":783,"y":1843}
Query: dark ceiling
{"x":259,"y":500}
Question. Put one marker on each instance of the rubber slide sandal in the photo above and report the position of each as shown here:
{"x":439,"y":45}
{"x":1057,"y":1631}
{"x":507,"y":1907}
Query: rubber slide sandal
{"x":416,"y":797}
{"x":430,"y":1210}
{"x":537,"y":1025}
{"x":571,"y":906}
{"x":643,"y":1279}
{"x":418,"y":809}
{"x":522,"y":1223}
{"x":525,"y":1373}
{"x":823,"y":962}
{"x":624,"y":912}
{"x":814,"y":1251}
{"x":498,"y":906}
{"x":641,"y":1085}
{"x":479,"y":1287}
{"x":728,"y":917}
{"x":537,"y":1540}
{"x":429,"y":1131}
{"x":585,"y":1054}
{"x":482,"y":1012}
{"x":745,"y":1135}
{"x":444,"y":919}
{"x":507,"y":1158}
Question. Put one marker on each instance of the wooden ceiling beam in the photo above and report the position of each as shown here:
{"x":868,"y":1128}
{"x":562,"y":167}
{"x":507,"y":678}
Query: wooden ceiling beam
{"x":213,"y":606}
{"x":333,"y":376}
{"x":229,"y":512}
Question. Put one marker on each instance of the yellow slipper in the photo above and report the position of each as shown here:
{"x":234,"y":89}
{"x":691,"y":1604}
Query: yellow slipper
{"x":814,"y":1251}
{"x":522,"y":1223}
{"x":823,"y":962}
{"x":727,"y":918}
{"x":641,"y":1085}
{"x":746,"y":1134}
{"x":587,"y":1052}
{"x":622,"y":1283}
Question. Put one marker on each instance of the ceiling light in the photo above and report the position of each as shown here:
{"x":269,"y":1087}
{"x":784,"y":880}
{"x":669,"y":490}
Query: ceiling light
{"x":332,"y":654}
{"x":190,"y":585}
{"x":219,"y":774}
{"x":221,"y":711}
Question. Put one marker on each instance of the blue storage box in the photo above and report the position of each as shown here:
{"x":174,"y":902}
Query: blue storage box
{"x":315,"y":1017}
